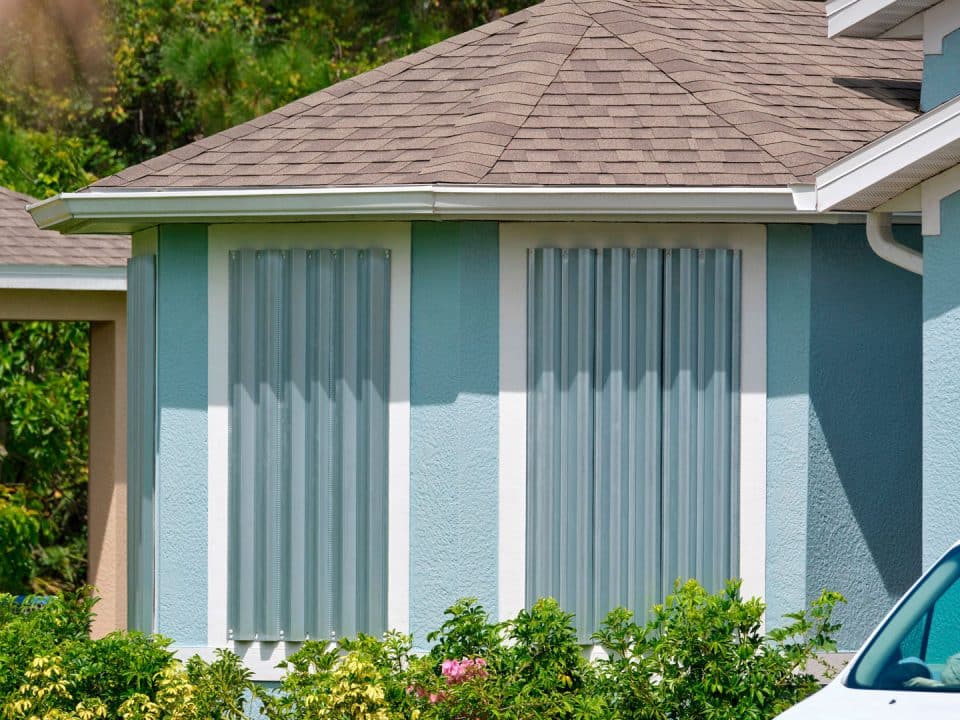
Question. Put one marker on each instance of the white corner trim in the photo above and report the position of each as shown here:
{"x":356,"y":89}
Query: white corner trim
{"x":129,"y":211}
{"x":62,"y":277}
{"x":932,"y":192}
{"x":221,"y":240}
{"x":889,"y":155}
{"x":512,"y":404}
{"x":938,"y":22}
{"x":515,"y":241}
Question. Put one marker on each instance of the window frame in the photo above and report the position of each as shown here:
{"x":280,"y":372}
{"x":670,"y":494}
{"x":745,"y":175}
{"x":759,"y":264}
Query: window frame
{"x":516,"y":238}
{"x":262,"y":658}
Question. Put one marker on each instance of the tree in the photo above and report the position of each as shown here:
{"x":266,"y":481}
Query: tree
{"x":44,"y":448}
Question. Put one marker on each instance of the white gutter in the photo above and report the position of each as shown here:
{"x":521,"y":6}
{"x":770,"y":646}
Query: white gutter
{"x":880,"y":237}
{"x":63,"y":277}
{"x":124,"y":211}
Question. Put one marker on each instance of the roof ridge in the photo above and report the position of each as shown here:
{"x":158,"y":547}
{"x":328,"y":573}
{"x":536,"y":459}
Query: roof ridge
{"x":688,"y":91}
{"x":531,"y":75}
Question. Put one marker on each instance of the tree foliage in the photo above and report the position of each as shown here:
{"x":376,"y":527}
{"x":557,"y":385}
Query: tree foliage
{"x":146,"y":76}
{"x":43,"y":454}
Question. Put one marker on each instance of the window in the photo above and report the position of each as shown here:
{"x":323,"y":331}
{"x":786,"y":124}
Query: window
{"x":633,"y":386}
{"x":918,"y":648}
{"x":308,"y":381}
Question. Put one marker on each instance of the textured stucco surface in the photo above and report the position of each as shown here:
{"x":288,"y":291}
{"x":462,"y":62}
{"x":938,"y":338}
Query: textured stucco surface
{"x":453,"y":419}
{"x":864,"y":493}
{"x":182,"y":433}
{"x":941,"y":384}
{"x":788,"y":412}
{"x":843,"y":424}
{"x":941,"y":81}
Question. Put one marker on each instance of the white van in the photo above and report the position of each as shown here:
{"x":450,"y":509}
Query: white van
{"x":910,"y":666}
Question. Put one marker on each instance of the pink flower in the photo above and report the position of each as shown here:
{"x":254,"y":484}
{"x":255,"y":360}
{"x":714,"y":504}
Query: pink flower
{"x":457,"y":671}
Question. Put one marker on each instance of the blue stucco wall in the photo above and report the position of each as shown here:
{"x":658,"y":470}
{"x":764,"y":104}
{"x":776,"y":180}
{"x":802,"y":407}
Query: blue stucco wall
{"x":788,"y":414}
{"x":182,"y":433}
{"x":453,"y":419}
{"x":941,"y":384}
{"x":862,"y":434}
{"x":941,"y":80}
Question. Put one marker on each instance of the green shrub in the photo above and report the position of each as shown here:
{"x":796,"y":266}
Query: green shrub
{"x":703,"y":657}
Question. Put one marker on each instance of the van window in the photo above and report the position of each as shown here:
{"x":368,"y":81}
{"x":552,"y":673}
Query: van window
{"x":918,"y":647}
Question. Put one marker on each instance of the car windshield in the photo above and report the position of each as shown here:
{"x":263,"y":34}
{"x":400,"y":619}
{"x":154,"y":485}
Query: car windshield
{"x":918,"y":647}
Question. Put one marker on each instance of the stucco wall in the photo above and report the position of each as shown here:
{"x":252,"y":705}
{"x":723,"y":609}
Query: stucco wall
{"x":788,"y":413}
{"x":941,"y":81}
{"x":941,"y":384}
{"x":453,"y":419}
{"x":862,"y":436}
{"x":181,"y":504}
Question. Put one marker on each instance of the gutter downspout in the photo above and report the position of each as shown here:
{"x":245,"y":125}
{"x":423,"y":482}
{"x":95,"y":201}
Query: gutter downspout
{"x":880,"y":237}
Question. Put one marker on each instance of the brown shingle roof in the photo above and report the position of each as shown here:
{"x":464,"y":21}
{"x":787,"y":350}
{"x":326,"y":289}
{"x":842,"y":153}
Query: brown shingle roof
{"x":22,"y":243}
{"x":588,"y":92}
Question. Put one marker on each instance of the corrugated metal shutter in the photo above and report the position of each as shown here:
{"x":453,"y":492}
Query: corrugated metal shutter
{"x":141,"y":438}
{"x":701,"y":422}
{"x":309,"y":341}
{"x":633,"y":380}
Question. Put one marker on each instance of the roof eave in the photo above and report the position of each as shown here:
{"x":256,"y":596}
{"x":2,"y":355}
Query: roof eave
{"x":872,"y":18}
{"x":126,"y":211}
{"x":891,"y":165}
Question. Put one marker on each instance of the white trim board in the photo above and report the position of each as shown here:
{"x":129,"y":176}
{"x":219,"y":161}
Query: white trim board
{"x":129,"y":211}
{"x":515,"y":240}
{"x":870,"y":18}
{"x":932,"y":193}
{"x":221,"y":240}
{"x":63,"y":277}
{"x":894,"y":163}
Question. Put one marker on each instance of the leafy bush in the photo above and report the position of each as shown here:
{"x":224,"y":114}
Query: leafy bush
{"x":700,"y":657}
{"x":50,"y":668}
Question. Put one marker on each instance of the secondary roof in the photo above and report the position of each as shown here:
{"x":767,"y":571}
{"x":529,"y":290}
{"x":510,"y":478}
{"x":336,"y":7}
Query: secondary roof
{"x":580,"y":92}
{"x":22,"y":243}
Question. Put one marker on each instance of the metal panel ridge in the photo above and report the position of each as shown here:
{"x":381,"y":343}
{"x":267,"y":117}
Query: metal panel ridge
{"x":141,"y":440}
{"x":308,"y":472}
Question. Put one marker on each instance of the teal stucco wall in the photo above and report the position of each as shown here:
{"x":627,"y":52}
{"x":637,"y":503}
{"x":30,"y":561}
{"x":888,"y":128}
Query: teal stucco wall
{"x":941,"y":384}
{"x":454,"y":419}
{"x":181,"y":482}
{"x":941,"y":81}
{"x":788,"y":414}
{"x":844,"y":431}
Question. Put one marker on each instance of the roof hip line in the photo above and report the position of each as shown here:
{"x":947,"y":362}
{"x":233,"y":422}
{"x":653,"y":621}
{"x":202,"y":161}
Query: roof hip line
{"x":692,"y":93}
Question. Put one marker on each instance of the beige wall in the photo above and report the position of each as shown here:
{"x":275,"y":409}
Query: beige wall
{"x":106,"y":311}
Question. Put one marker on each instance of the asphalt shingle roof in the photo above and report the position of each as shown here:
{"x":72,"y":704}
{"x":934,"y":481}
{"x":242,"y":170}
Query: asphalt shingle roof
{"x":23,"y":243}
{"x":581,"y":92}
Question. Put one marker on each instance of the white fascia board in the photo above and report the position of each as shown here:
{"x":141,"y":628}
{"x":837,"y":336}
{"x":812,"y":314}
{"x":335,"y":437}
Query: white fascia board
{"x":889,"y":155}
{"x":870,"y":18}
{"x":128,"y":211}
{"x":62,"y":277}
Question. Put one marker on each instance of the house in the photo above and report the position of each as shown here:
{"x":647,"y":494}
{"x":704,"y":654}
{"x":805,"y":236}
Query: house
{"x":44,"y":276}
{"x":916,"y":169}
{"x":548,"y":308}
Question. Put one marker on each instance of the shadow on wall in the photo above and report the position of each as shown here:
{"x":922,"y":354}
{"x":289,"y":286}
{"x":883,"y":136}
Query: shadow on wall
{"x":864,"y":494}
